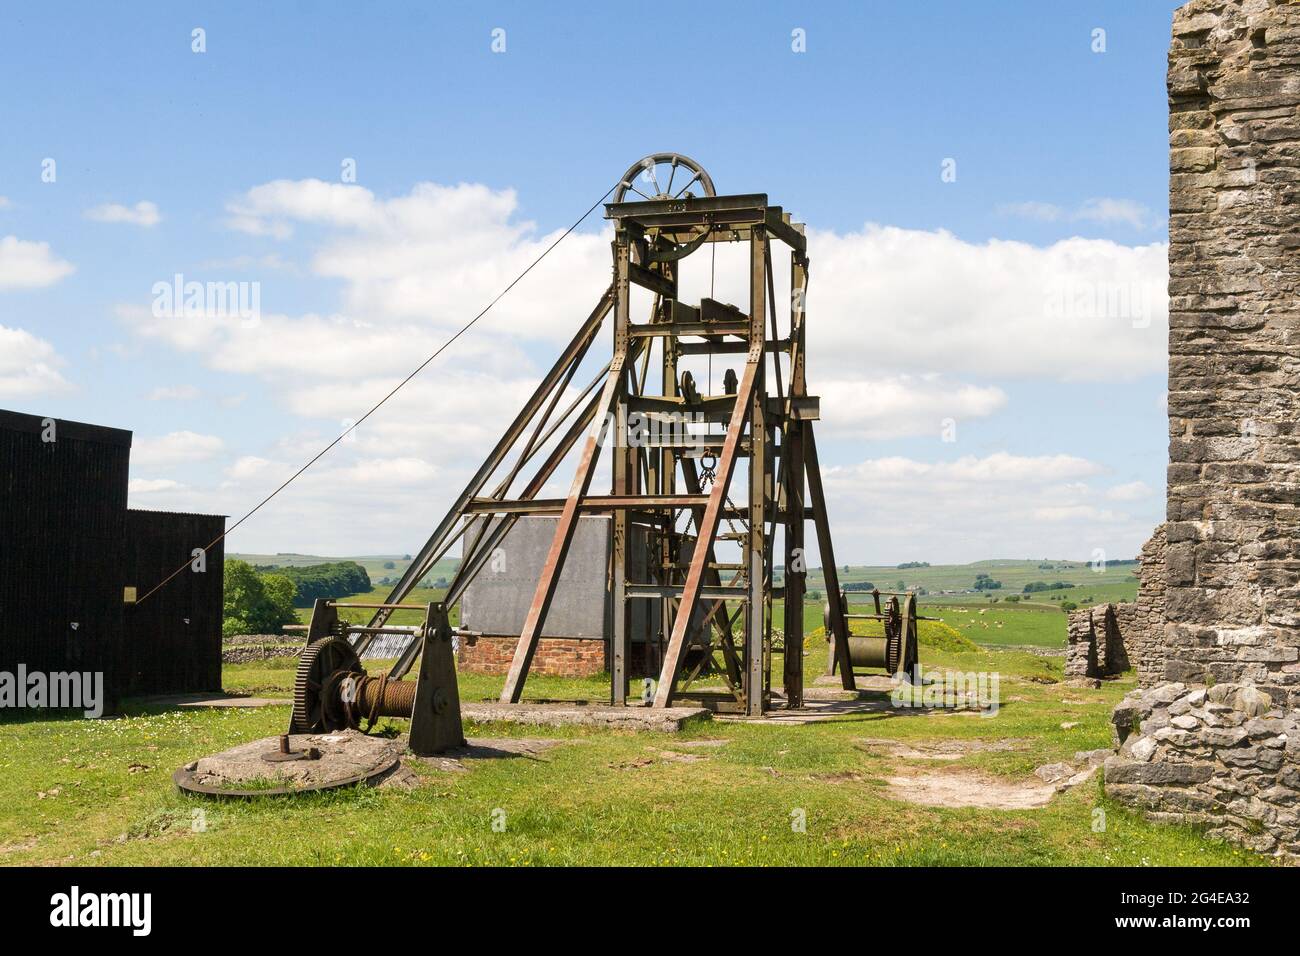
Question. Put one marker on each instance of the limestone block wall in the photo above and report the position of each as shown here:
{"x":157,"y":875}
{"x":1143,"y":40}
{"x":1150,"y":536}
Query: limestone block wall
{"x":1108,"y":639}
{"x":1094,"y":644}
{"x":1142,"y":622}
{"x":1233,"y":558}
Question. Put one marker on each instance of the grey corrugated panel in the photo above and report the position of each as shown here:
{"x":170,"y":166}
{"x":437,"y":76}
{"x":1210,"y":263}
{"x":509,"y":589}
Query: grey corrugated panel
{"x":386,"y":646}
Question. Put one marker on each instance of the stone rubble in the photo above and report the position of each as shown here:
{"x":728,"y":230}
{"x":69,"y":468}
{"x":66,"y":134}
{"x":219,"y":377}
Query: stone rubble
{"x":1224,"y":757}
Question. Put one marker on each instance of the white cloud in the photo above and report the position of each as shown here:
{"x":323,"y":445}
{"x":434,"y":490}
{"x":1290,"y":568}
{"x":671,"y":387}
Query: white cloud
{"x":1064,"y":513}
{"x":435,"y":256}
{"x":4,"y":202}
{"x":247,"y":466}
{"x":1130,"y":491}
{"x":29,"y":265}
{"x":143,"y":213}
{"x":998,"y":467}
{"x":272,"y":260}
{"x":1125,"y":211}
{"x":146,"y":486}
{"x":28,"y":365}
{"x":917,"y":301}
{"x":900,"y":405}
{"x":175,"y":448}
{"x":1101,"y":209}
{"x":175,"y":393}
{"x":1033,"y":209}
{"x":906,"y":328}
{"x":972,"y":508}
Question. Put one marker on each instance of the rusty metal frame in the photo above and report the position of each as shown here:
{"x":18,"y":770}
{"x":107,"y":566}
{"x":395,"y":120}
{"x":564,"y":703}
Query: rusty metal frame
{"x":768,"y":420}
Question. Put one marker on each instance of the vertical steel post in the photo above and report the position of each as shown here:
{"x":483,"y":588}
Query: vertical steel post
{"x":792,"y":456}
{"x":622,"y":467}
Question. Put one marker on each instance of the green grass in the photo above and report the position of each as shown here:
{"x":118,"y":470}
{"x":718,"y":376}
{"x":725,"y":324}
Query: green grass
{"x":1014,"y":575}
{"x":1004,"y":624}
{"x":1041,"y":624}
{"x":379,"y":594}
{"x":602,"y":797}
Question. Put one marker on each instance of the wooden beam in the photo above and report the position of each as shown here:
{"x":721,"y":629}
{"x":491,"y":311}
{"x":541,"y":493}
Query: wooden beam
{"x":708,"y":527}
{"x":839,"y":626}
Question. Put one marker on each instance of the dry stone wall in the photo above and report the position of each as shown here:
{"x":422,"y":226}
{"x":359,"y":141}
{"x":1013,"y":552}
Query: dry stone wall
{"x":1233,"y":560}
{"x":1108,"y":639}
{"x":1224,"y":757}
{"x":1094,"y":646}
{"x":1142,"y":622}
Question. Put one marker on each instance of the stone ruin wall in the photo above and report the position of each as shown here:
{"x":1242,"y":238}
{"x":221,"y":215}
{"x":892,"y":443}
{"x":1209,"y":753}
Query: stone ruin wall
{"x":1142,"y":622}
{"x":1217,"y":743}
{"x":1107,"y":639}
{"x":1225,"y":758}
{"x":1233,"y":560}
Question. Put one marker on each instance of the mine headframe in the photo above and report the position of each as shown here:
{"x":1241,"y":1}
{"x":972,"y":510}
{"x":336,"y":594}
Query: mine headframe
{"x":698,"y":490}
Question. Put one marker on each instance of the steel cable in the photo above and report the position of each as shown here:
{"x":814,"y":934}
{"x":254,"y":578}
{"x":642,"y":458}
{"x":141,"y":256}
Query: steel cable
{"x":418,"y":369}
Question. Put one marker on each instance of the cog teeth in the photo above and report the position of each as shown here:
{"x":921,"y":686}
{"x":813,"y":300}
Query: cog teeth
{"x":308,"y":682}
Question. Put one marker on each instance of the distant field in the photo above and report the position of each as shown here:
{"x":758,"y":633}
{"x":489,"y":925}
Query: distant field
{"x":1014,"y":575}
{"x":377,"y":596}
{"x":1118,"y":582}
{"x":1035,"y":620}
{"x":373,"y":563}
{"x":1004,"y":624}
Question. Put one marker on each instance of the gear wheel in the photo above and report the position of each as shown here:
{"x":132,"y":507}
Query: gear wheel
{"x":894,"y":640}
{"x":321,"y":665}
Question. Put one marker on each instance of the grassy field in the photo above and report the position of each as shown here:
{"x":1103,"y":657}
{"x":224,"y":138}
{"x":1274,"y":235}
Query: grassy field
{"x":1038,"y":623}
{"x":1115,"y":582}
{"x":985,"y":617}
{"x":378,"y":595}
{"x":1004,"y":624}
{"x":99,"y":792}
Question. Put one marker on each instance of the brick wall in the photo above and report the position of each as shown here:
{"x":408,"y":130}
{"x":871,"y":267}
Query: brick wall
{"x":1233,"y":559}
{"x":555,"y":656}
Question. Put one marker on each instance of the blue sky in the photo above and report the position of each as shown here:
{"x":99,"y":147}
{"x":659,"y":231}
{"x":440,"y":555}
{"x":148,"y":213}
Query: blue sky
{"x":226,"y":165}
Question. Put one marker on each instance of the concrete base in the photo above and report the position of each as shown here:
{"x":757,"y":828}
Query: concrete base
{"x":344,"y":758}
{"x":668,"y":720}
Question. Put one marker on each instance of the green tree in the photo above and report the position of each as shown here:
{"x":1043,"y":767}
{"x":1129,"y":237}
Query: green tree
{"x":254,"y":603}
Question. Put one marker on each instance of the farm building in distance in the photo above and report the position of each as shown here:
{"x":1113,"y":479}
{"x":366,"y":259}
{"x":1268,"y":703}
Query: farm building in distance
{"x":73,"y":559}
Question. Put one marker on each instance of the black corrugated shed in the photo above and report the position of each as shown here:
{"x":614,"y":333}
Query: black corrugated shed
{"x":69,"y":547}
{"x":173,"y":640}
{"x":62,"y":525}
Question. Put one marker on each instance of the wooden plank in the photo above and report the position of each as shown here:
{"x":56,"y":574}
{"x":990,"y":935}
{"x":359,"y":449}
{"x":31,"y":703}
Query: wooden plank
{"x":839,"y":626}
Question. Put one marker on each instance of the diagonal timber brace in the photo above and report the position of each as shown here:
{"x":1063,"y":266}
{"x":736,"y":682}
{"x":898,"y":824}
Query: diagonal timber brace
{"x":708,"y":528}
